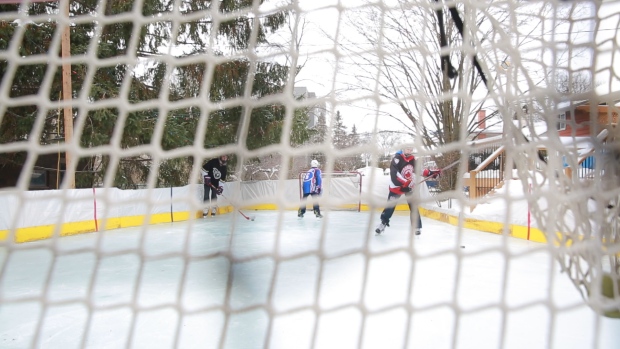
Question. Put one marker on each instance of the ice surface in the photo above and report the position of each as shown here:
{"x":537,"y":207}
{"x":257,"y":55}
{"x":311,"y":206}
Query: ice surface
{"x":287,"y":282}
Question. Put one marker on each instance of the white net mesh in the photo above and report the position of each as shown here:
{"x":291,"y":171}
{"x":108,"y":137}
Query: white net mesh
{"x":108,"y":110}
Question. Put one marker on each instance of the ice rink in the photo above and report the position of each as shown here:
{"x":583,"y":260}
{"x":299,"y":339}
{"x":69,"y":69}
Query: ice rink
{"x":227,"y":282}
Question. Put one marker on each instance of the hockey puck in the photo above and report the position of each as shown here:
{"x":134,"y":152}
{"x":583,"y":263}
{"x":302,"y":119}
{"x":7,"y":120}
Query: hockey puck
{"x":462,"y":246}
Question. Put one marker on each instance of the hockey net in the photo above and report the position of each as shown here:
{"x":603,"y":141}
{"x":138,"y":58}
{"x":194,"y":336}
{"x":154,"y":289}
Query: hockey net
{"x":342,"y":189}
{"x":112,"y":107}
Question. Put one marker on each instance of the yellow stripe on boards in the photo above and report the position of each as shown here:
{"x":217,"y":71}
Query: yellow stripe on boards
{"x":45,"y":232}
{"x":136,"y":221}
{"x":490,"y":227}
{"x":261,"y":207}
{"x":28,"y":234}
{"x":516,"y":231}
{"x":183,"y":216}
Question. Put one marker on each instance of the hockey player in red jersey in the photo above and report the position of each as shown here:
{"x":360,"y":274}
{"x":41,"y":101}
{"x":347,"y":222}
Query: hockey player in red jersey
{"x":402,"y":181}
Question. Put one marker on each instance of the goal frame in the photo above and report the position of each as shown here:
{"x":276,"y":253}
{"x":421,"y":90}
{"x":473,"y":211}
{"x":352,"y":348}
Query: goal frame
{"x":335,"y":173}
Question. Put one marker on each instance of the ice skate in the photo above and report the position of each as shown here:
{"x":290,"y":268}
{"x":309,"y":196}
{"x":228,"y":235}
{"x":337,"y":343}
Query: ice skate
{"x":300,"y":213}
{"x":418,"y":231}
{"x":213,"y":211}
{"x":318,"y":214}
{"x":381,"y":227}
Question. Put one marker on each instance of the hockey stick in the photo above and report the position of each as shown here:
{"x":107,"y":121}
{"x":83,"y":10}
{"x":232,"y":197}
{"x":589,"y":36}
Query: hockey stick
{"x":249,"y":218}
{"x":443,"y":169}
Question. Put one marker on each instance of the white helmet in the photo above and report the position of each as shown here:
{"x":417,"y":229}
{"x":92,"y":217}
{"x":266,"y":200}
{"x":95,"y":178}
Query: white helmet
{"x":408,"y":149}
{"x":314,"y":163}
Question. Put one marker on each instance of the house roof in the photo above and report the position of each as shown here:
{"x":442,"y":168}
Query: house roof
{"x":538,"y":128}
{"x":565,"y":105}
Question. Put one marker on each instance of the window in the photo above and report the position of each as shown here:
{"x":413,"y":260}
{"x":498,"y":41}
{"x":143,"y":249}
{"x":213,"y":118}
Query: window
{"x":38,"y":179}
{"x":562,"y":122}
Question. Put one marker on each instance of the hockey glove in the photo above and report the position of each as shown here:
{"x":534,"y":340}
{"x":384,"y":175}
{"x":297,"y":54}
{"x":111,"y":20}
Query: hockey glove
{"x":219,"y":190}
{"x":431,"y":173}
{"x":405,"y":189}
{"x":318,"y":190}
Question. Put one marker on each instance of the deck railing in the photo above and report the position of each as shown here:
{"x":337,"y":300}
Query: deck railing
{"x":489,"y":173}
{"x":489,"y":159}
{"x":586,"y":160}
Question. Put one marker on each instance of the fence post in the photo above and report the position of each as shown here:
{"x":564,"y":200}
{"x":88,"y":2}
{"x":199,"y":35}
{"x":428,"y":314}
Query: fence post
{"x":473,"y":188}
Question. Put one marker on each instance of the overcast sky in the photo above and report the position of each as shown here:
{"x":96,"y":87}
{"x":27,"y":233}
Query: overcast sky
{"x":319,"y":72}
{"x":318,"y":54}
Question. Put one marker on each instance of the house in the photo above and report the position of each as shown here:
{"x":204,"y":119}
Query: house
{"x":577,"y":125}
{"x":316,"y":113}
{"x":581,"y":119}
{"x":494,"y":127}
{"x":578,"y":122}
{"x":574,"y":121}
{"x":487,"y":127}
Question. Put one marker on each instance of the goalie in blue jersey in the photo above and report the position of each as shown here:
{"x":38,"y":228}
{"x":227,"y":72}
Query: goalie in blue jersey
{"x":312,"y":187}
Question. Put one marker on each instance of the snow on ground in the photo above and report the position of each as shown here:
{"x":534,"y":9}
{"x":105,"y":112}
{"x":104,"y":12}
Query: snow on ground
{"x":509,"y":205}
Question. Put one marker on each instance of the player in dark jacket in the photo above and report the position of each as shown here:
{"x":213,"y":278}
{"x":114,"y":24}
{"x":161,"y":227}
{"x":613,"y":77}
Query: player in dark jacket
{"x":402,"y":181}
{"x":214,"y":171}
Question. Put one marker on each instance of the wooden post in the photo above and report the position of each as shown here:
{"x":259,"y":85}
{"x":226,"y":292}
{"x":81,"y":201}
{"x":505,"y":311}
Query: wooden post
{"x":67,"y":97}
{"x":473,"y":188}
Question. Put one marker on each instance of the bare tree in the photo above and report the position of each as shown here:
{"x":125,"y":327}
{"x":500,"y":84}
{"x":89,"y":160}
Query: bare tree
{"x":521,"y":73}
{"x":395,"y":52}
{"x":407,"y":70}
{"x":387,"y":140}
{"x":575,"y":83}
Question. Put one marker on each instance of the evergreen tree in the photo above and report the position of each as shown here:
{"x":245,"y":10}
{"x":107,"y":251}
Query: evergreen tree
{"x":341,"y":139}
{"x":98,"y":126}
{"x":339,"y":133}
{"x":354,"y":137}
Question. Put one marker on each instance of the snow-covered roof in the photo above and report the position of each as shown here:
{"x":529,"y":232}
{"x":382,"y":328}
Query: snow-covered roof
{"x":537,"y":128}
{"x":564,"y":105}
